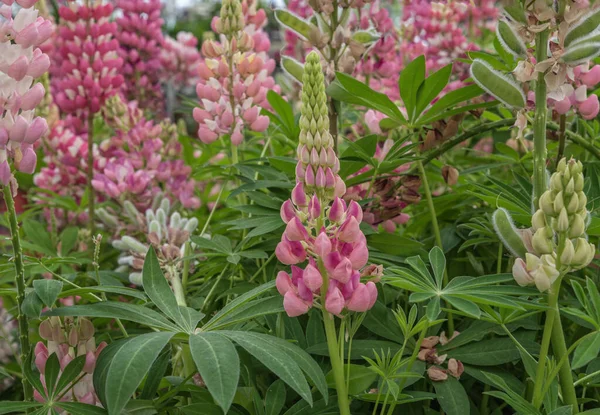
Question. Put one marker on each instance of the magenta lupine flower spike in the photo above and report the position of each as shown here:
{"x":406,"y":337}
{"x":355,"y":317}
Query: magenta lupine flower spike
{"x":90,"y":66}
{"x":21,"y":61}
{"x":322,"y":231}
{"x":234,"y":78}
{"x":140,"y":41}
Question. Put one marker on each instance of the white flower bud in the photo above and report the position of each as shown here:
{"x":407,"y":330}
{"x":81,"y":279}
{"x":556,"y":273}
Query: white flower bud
{"x":562,"y":165}
{"x":579,"y":183}
{"x":562,"y":223}
{"x":191,"y":225}
{"x":582,"y":200}
{"x":520,"y":273}
{"x":577,"y":227}
{"x":584,"y":253}
{"x":556,"y":183}
{"x":538,"y":220}
{"x":573,"y":205}
{"x":134,"y":245}
{"x":566,"y":255}
{"x":546,"y":203}
{"x":541,"y":244}
{"x":570,"y":187}
{"x":559,"y":203}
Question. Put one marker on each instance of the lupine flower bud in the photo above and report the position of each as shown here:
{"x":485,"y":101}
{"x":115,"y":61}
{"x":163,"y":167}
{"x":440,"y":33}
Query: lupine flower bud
{"x":541,"y":243}
{"x":584,"y":253}
{"x":568,"y":252}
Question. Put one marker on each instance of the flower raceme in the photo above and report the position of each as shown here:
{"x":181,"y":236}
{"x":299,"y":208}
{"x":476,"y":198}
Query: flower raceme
{"x":322,"y":230}
{"x":21,"y":61}
{"x":234,"y":77}
{"x":90,"y":64}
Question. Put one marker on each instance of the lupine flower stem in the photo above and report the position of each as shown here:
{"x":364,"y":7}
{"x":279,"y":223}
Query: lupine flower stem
{"x":20,"y":282}
{"x":559,"y":348}
{"x":436,"y":232}
{"x":337,"y":364}
{"x":539,"y":123}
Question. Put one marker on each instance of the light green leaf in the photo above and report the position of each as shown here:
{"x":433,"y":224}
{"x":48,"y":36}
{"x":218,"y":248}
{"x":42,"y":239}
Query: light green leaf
{"x":295,"y":23}
{"x":114,"y":309}
{"x":587,"y":25}
{"x":361,"y":378}
{"x":438,"y":264}
{"x":219,"y":365}
{"x":411,"y":78}
{"x":586,"y":351}
{"x":158,"y":289}
{"x":452,"y":397}
{"x":431,"y":87}
{"x":128,"y":366}
{"x":7,"y":407}
{"x":510,"y":39}
{"x":269,"y":352}
{"x":47,"y":290}
{"x":275,"y":398}
{"x":580,"y":53}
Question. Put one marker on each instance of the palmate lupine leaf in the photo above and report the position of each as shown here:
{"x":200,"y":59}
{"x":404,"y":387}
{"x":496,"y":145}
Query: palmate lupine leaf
{"x":464,"y":293}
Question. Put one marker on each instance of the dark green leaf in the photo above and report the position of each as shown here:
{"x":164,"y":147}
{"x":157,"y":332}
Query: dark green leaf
{"x":47,"y":290}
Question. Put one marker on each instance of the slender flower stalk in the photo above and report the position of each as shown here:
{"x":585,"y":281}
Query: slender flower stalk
{"x":539,"y":123}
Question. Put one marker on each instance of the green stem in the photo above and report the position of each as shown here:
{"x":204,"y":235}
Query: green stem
{"x":436,"y":232}
{"x":337,"y":366}
{"x":561,"y":138}
{"x":539,"y":122}
{"x":559,"y":348}
{"x":186,"y":266}
{"x":540,"y":372}
{"x":337,"y":363}
{"x":20,"y":283}
{"x":90,"y":176}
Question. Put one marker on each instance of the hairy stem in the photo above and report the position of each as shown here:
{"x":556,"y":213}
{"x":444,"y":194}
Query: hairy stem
{"x":436,"y":232}
{"x":539,"y":122}
{"x":20,"y":282}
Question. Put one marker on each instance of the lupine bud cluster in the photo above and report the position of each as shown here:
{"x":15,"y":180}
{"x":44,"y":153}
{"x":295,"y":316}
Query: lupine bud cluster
{"x":559,"y":230}
{"x":90,"y":67}
{"x":234,"y":79}
{"x":180,"y":59}
{"x":322,"y":231}
{"x":140,"y":42}
{"x":21,"y":61}
{"x":166,"y":231}
{"x":143,"y":158}
{"x":68,"y":340}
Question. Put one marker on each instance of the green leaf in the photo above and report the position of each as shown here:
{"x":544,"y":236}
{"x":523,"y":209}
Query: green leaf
{"x":201,"y":409}
{"x":114,"y":309}
{"x":360,"y":348}
{"x":490,"y":352}
{"x":69,"y":374}
{"x":78,"y":408}
{"x":452,"y":397}
{"x":361,"y":378}
{"x":68,"y":240}
{"x":433,"y":309}
{"x":448,"y":101}
{"x":128,"y":366}
{"x":497,"y":84}
{"x":282,"y":108}
{"x":130,"y":292}
{"x":234,"y":305}
{"x":32,"y":305}
{"x":430,"y":89}
{"x":269,"y":351}
{"x":581,"y":52}
{"x":51,"y":372}
{"x":158,"y":289}
{"x":7,"y":407}
{"x":586,"y":351}
{"x":411,"y":78}
{"x":47,"y":290}
{"x":155,"y":375}
{"x":219,"y":365}
{"x":275,"y":398}
{"x":253,"y":309}
{"x":438,"y":264}
{"x":563,"y":410}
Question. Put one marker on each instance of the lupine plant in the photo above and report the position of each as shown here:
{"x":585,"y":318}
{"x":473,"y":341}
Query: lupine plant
{"x":397,"y":213}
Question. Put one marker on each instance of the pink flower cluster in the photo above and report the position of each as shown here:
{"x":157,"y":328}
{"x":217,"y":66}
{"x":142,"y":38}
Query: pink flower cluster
{"x":140,"y":43}
{"x":21,"y":61}
{"x":180,"y":59}
{"x":69,"y":341}
{"x":575,"y":93}
{"x":235,"y":76}
{"x":442,"y":31}
{"x":340,"y":249}
{"x":90,"y":65}
{"x":143,"y":158}
{"x":64,"y":173}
